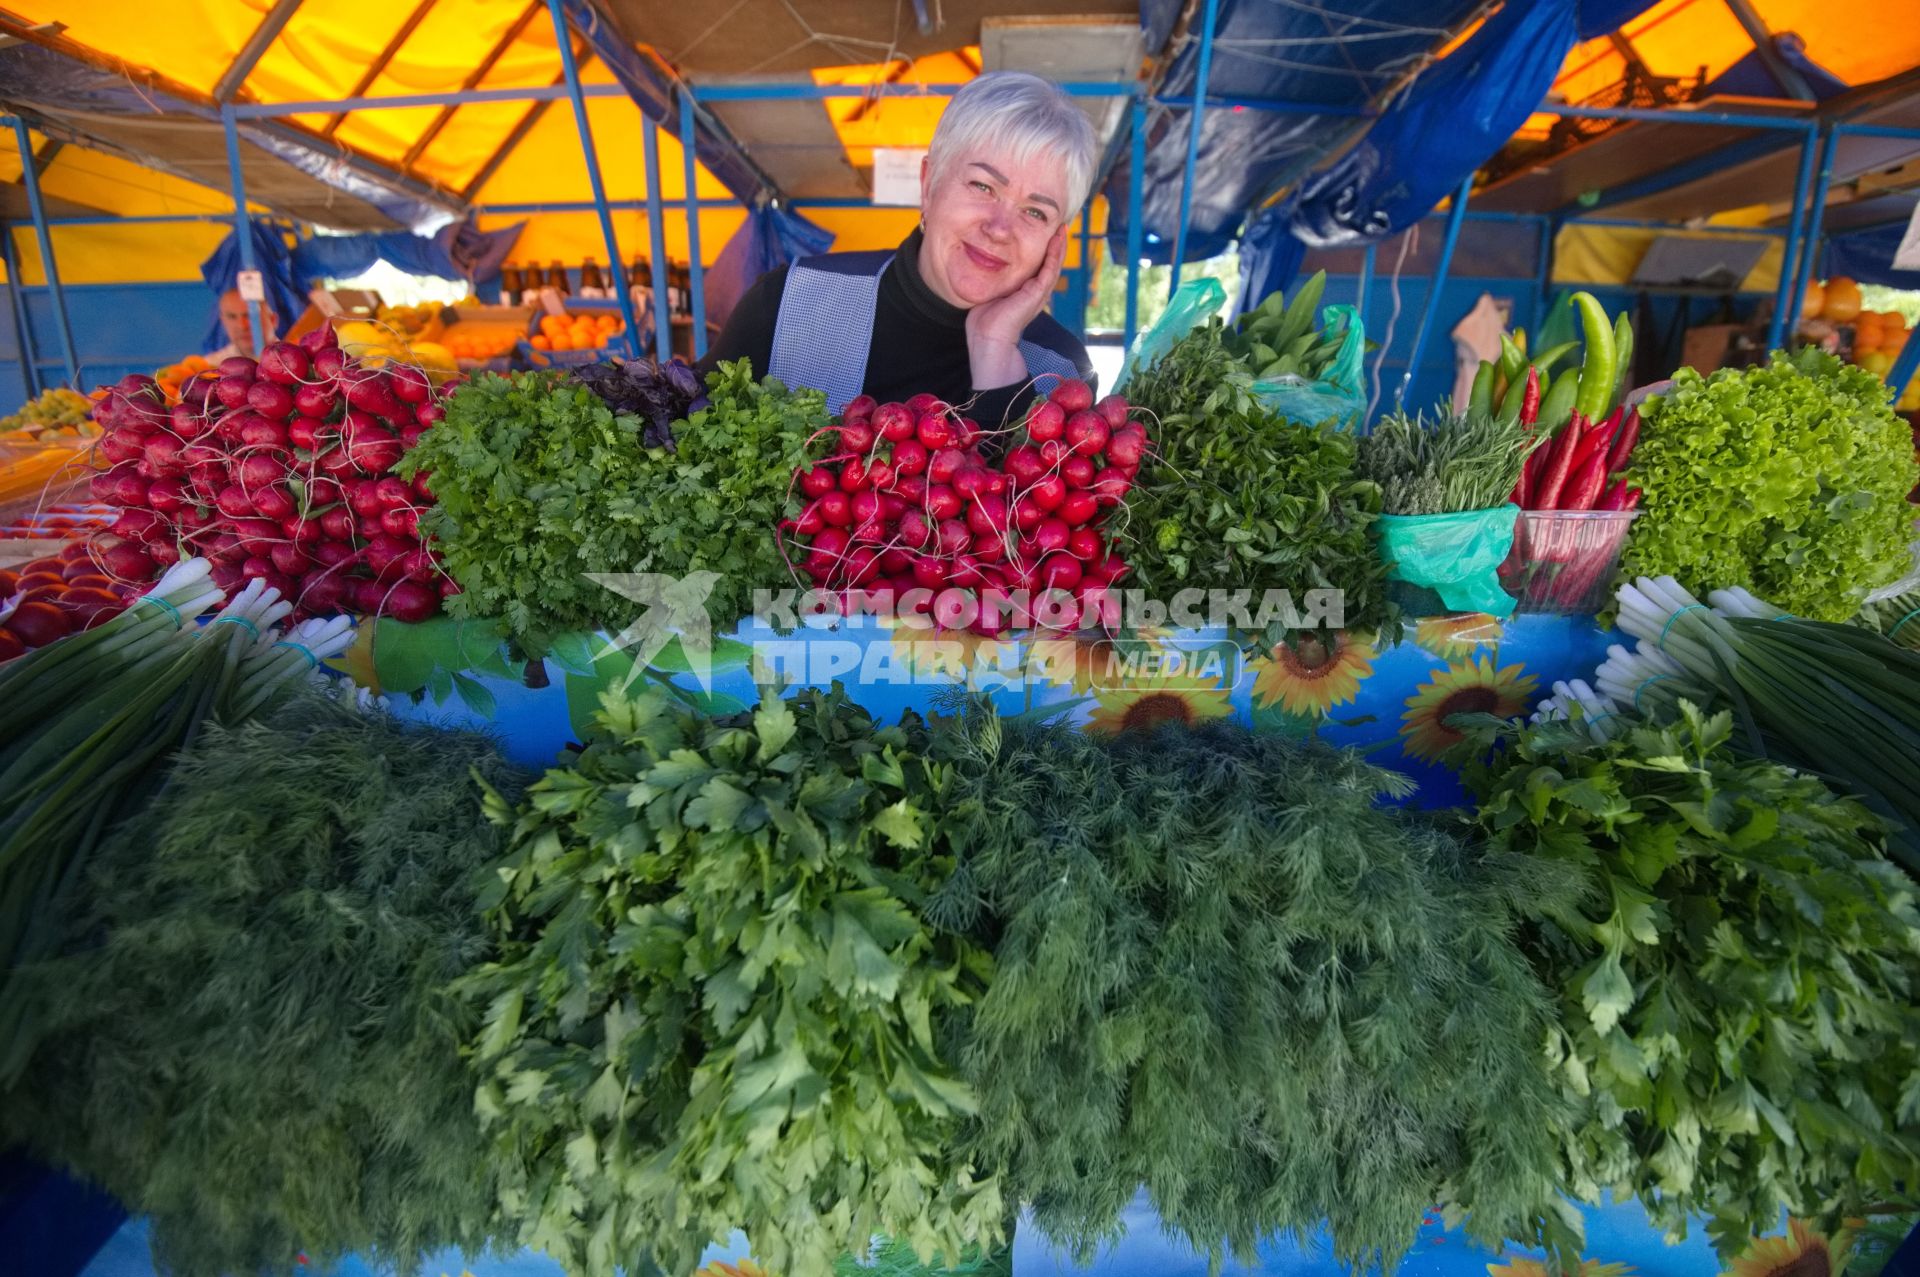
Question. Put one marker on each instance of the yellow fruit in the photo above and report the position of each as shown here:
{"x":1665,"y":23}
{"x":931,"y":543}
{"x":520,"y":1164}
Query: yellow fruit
{"x":430,"y":354}
{"x":1815,"y":301}
{"x":1877,"y":362}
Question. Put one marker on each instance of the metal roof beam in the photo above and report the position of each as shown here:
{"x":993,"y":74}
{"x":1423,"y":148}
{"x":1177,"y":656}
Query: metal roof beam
{"x":254,"y":49}
{"x":479,"y":73}
{"x":380,"y":62}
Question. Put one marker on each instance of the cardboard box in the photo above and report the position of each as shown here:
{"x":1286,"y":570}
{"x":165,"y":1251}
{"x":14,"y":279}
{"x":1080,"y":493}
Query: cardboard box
{"x":1705,"y":348}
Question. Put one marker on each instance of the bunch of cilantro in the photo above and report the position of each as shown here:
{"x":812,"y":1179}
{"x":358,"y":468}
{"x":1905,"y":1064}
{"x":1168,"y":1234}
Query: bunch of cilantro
{"x":538,"y":483}
{"x":1790,"y":480}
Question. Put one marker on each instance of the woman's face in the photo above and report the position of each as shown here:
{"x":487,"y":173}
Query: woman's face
{"x":987,"y":221}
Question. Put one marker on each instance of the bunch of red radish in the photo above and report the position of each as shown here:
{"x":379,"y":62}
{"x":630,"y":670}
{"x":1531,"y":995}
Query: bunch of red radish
{"x":276,"y":470}
{"x":908,"y":501}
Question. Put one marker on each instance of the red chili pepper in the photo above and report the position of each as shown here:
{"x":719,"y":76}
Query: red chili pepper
{"x":1554,"y":477}
{"x":1615,"y":496}
{"x":1623,"y":442}
{"x":1586,"y":483}
{"x":1530,"y":398}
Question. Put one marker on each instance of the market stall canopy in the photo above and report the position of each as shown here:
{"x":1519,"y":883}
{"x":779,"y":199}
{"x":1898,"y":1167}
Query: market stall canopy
{"x":1791,"y":59}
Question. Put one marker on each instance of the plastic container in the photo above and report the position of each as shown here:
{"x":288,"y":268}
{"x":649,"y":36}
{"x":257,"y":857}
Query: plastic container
{"x":1563,"y":560}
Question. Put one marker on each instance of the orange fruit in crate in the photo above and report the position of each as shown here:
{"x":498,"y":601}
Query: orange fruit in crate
{"x":1867,"y":333}
{"x":1815,"y":301}
{"x":542,"y":342}
{"x":1843,"y":300}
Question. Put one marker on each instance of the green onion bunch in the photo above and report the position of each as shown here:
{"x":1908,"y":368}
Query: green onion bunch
{"x":1898,"y":618}
{"x":1839,"y":701}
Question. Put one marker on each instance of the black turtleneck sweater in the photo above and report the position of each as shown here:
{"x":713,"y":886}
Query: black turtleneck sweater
{"x":919,"y":341}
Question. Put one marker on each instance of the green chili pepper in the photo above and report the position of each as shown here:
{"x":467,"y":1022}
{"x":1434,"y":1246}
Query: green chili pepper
{"x":1557,"y":408}
{"x":1480,"y":402}
{"x":1552,"y":355}
{"x":1599,"y":368}
{"x":1513,"y":360}
{"x":1622,"y":356}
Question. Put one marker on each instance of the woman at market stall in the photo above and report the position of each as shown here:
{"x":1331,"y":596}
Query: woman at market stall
{"x":959,"y":308}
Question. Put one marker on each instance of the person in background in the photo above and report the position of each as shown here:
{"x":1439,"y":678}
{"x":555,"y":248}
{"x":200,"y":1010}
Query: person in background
{"x":239,"y":326}
{"x":958,"y":310}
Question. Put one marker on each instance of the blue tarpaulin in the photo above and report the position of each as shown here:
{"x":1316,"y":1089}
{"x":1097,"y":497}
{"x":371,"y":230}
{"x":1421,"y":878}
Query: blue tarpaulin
{"x":1300,"y":53}
{"x":771,"y":236}
{"x":273,"y":259}
{"x":1866,"y":255}
{"x":458,"y":250}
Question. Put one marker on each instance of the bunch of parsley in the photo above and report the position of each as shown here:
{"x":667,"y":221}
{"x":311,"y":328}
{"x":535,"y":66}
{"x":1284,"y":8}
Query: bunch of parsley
{"x":538,"y":483}
{"x":1738,"y":1019}
{"x":717,"y":1004}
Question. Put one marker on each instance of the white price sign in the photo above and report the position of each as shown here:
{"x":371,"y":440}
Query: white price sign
{"x":252,"y":285}
{"x":1907,"y":256}
{"x":896,"y":175}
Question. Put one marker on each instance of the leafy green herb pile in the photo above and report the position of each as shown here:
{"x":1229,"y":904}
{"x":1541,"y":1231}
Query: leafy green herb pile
{"x":1238,"y":498}
{"x":1450,"y":466}
{"x":1738,"y":1015}
{"x":1222,"y":971}
{"x":251,"y":1039}
{"x":717,"y":1005}
{"x":538,"y":482}
{"x":1790,"y":480}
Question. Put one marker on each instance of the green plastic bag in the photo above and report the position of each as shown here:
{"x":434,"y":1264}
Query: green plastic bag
{"x":1338,"y":395}
{"x":1455,"y":557}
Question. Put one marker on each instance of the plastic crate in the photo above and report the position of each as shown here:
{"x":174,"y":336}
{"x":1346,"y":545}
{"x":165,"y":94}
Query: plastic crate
{"x":1563,"y":560}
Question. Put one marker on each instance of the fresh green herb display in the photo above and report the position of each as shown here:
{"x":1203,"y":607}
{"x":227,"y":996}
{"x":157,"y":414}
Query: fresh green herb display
{"x":1790,"y":480}
{"x":538,"y":482}
{"x":1452,"y":465}
{"x":717,"y":1004}
{"x":1738,"y":1014}
{"x":1238,"y":498}
{"x":1222,"y":971}
{"x":252,"y":1040}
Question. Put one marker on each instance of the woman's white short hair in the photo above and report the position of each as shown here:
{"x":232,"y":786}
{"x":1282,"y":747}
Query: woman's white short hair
{"x":1023,"y":115}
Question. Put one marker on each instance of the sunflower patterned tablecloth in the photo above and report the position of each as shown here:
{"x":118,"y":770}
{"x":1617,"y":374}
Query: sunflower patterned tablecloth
{"x":1393,"y":699}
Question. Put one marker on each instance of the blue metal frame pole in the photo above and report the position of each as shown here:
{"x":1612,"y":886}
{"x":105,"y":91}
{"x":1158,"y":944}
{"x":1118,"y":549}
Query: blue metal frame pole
{"x":31,"y":178}
{"x":1905,"y":364}
{"x":657,"y":236}
{"x":1086,"y":265}
{"x":571,"y":69}
{"x":1789,"y":265}
{"x":29,"y":374}
{"x":696,"y":272}
{"x":1810,"y":248}
{"x":1193,"y":144}
{"x":1136,"y":175}
{"x":242,"y":224}
{"x":1455,"y":216}
{"x":1366,"y":286}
